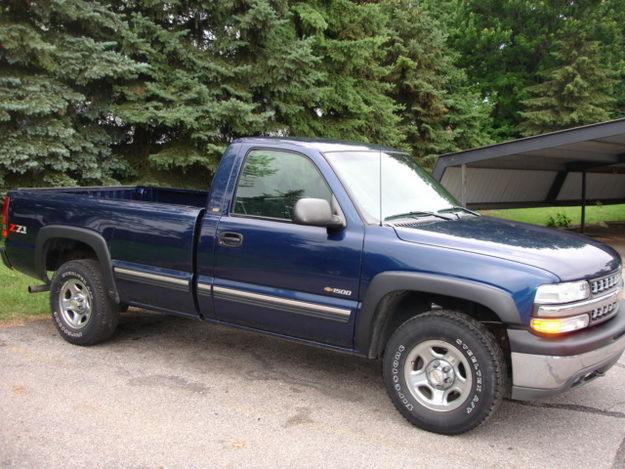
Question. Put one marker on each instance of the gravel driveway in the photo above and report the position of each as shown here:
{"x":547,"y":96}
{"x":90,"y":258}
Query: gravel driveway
{"x":172,"y":392}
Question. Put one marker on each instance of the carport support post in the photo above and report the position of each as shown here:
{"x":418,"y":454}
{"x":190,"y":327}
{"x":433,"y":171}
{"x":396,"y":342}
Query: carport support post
{"x":463,"y":182}
{"x":583,"y":224}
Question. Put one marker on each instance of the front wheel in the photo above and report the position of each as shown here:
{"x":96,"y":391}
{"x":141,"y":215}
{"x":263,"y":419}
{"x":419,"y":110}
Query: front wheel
{"x":444,"y":372}
{"x":81,"y":309}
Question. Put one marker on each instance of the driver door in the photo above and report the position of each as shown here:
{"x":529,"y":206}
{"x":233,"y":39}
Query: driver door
{"x":274,"y":275}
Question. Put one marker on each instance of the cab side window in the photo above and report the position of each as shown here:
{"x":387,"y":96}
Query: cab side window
{"x":272,"y":181}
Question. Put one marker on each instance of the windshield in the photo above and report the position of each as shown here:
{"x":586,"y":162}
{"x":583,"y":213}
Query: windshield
{"x":406,"y":187}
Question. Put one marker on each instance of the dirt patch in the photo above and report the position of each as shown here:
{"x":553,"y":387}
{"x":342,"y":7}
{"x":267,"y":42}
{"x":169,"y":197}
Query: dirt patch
{"x":19,"y":390}
{"x":171,"y":382}
{"x":23,"y":321}
{"x":301,"y":417}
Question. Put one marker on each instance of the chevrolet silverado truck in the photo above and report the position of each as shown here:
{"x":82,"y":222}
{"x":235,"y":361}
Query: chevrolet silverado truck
{"x":346,"y":246}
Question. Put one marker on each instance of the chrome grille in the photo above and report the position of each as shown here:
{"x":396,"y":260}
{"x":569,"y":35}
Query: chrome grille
{"x":603,"y":312}
{"x":607,"y":286}
{"x":604,"y":284}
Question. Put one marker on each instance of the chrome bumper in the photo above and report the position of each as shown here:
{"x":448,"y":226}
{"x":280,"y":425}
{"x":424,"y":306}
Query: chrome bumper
{"x":536,"y":376}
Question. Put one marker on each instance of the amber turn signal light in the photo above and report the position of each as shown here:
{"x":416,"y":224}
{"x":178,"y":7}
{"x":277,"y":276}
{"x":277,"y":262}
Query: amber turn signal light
{"x":559,"y":325}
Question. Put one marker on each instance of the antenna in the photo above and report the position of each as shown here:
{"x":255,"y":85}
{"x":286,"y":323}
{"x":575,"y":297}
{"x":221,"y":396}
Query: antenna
{"x":380,"y":160}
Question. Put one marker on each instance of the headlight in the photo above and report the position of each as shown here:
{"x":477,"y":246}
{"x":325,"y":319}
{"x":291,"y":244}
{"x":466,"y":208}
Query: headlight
{"x":559,"y":325}
{"x":556,"y":293}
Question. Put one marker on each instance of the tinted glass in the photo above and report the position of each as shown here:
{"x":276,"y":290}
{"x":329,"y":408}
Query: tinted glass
{"x":273,"y":181}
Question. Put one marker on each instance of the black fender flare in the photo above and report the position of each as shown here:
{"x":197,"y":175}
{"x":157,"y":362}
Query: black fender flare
{"x":89,"y":237}
{"x":370,"y":320}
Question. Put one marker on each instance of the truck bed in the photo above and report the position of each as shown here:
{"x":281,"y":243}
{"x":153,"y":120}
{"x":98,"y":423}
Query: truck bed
{"x":173,"y":196}
{"x":150,"y":230}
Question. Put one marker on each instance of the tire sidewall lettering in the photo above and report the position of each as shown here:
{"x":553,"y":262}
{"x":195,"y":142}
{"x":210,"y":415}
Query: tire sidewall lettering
{"x":403,"y":393}
{"x":397,"y":382}
{"x":478,"y":382}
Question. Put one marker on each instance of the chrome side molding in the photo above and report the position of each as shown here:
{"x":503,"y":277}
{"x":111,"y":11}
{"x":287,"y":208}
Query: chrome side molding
{"x":295,"y":306}
{"x":149,"y":276}
{"x":204,"y":288}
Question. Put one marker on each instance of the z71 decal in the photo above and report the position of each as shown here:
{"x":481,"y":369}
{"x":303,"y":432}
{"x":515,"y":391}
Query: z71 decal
{"x":13,"y":228}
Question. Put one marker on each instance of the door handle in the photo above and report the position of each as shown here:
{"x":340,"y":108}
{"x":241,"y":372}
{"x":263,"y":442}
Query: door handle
{"x":230,"y":239}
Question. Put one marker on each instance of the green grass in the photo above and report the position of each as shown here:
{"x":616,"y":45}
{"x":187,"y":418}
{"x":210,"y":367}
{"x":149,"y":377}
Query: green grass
{"x":540,"y":216}
{"x":15,"y":301}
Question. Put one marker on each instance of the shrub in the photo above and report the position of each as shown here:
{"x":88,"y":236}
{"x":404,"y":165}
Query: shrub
{"x":561,"y":220}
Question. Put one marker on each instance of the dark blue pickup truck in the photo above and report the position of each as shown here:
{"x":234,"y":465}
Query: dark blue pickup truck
{"x":346,"y":246}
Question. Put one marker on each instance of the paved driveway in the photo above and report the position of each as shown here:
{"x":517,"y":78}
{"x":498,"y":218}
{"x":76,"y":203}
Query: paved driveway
{"x":173,"y":392}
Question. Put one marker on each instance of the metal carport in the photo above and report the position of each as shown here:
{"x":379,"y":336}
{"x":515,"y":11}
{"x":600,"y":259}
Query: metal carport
{"x":569,"y":167}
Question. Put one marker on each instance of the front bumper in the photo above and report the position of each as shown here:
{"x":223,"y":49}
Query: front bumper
{"x":573,"y":360}
{"x":5,"y":258}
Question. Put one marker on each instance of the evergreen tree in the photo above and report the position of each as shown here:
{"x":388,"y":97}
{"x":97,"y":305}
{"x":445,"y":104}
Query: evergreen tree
{"x":250,"y":67}
{"x":502,"y":46}
{"x":610,"y":32}
{"x":279,"y":65}
{"x":182,"y":111}
{"x":469,"y":118}
{"x":58,"y":67}
{"x":439,"y":112}
{"x":574,"y":92}
{"x":136,"y":90}
{"x":353,"y":101}
{"x":506,"y":46}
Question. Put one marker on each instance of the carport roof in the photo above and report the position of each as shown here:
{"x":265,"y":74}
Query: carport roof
{"x":541,"y":170}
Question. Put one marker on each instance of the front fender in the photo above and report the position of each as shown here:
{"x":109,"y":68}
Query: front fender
{"x":369,"y":321}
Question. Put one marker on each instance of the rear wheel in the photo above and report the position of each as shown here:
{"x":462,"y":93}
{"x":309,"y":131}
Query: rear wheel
{"x":82,"y":311}
{"x":444,"y":372}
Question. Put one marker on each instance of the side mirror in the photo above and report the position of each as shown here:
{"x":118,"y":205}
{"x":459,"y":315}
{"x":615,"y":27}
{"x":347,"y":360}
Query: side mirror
{"x":316,"y":212}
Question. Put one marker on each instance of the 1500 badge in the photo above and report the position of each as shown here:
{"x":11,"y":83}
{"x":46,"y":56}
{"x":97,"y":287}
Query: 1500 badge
{"x":337,"y":291}
{"x":13,"y":228}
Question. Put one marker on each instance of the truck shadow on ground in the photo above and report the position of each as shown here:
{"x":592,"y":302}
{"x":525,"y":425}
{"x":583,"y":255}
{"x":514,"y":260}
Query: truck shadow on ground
{"x":206,"y":350}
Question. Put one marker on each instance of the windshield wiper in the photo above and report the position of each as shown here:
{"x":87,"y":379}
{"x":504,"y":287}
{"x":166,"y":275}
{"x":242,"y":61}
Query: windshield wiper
{"x":417,"y":214}
{"x":457,"y":208}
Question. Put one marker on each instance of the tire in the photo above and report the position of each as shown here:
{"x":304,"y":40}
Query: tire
{"x":82,"y":311}
{"x":444,"y":372}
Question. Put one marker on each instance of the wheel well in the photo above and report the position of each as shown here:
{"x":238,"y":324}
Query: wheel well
{"x":60,"y":250}
{"x":397,"y":307}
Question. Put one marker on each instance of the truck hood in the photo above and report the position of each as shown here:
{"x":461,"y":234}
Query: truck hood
{"x":569,"y":256}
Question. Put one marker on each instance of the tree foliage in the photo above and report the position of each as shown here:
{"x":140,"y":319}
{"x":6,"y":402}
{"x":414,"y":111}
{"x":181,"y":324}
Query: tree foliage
{"x":574,"y":92}
{"x":58,"y":68}
{"x":535,"y":60}
{"x":153,"y":90}
{"x":235,"y":70}
{"x":440,"y":111}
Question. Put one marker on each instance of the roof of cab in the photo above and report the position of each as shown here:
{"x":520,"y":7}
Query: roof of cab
{"x":319,"y":144}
